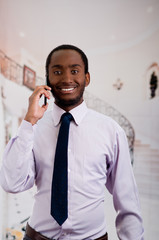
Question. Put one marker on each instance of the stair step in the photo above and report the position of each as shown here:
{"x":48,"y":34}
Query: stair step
{"x":146,"y":188}
{"x":138,"y":146}
{"x":149,"y":187}
{"x":143,"y":186}
{"x":146,"y":169}
{"x":154,"y":179}
{"x":147,"y":172}
{"x":146,"y":159}
{"x":147,"y":151}
{"x":144,"y":166}
{"x":146,"y":193}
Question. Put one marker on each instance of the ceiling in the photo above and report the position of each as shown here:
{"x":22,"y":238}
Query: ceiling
{"x":96,"y":26}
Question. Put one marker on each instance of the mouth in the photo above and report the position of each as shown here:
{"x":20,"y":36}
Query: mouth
{"x":66,"y":89}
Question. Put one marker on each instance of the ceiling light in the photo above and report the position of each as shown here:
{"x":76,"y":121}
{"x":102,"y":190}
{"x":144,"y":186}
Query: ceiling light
{"x":150,"y":9}
{"x":112,"y":37}
{"x":22,"y":34}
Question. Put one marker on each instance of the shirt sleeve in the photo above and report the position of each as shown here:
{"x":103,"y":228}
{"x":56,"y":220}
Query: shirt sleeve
{"x":17,"y":173}
{"x":121,"y":184}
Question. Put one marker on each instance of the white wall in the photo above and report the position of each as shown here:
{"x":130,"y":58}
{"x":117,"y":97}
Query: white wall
{"x":131,"y":66}
{"x":13,"y":105}
{"x":2,"y":144}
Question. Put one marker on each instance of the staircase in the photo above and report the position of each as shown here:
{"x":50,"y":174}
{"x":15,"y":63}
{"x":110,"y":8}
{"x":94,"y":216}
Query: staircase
{"x":146,"y":170}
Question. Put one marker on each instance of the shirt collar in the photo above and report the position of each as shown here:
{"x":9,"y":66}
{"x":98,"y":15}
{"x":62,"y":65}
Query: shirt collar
{"x":78,"y":113}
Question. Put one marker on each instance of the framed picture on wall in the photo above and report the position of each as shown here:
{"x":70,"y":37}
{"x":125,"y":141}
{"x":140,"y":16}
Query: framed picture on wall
{"x":29,"y":77}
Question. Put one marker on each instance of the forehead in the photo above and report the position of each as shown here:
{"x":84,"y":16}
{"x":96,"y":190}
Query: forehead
{"x":62,"y":57}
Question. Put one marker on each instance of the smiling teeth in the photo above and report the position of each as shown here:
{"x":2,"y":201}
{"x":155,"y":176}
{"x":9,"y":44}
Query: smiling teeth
{"x":67,"y":89}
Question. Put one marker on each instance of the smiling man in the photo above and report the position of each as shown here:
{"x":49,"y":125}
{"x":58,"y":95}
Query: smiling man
{"x":97,"y":156}
{"x":67,"y":79}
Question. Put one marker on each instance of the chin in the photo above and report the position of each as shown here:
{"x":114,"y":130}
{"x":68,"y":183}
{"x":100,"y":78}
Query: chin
{"x":68,"y":102}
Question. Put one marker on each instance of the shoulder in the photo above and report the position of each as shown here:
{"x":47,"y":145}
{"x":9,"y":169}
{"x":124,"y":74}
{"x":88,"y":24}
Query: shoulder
{"x":102,"y":120}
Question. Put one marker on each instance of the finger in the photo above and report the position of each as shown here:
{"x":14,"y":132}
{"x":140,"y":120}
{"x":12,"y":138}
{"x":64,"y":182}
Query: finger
{"x":43,"y":86}
{"x":45,"y":106}
{"x":47,"y":87}
{"x":41,"y":91}
{"x":46,"y":94}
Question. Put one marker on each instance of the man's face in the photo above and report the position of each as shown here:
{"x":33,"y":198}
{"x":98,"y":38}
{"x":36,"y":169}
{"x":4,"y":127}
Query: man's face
{"x":67,"y":78}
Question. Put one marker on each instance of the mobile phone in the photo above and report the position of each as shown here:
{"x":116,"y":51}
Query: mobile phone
{"x":45,"y":100}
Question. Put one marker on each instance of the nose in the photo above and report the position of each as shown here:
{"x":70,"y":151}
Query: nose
{"x":67,"y":76}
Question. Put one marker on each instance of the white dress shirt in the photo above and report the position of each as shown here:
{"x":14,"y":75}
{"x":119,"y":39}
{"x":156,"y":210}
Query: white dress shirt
{"x":98,"y":156}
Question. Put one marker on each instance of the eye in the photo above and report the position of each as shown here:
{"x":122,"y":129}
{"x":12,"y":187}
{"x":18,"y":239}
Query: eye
{"x":57,"y":72}
{"x":74,"y":71}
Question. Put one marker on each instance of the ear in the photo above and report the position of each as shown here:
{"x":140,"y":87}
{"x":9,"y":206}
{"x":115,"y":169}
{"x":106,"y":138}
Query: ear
{"x":87,"y":79}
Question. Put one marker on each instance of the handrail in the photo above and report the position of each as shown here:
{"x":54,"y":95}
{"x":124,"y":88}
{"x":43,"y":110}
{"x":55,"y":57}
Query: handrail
{"x":103,"y":107}
{"x":14,"y":72}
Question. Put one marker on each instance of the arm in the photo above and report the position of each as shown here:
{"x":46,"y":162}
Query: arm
{"x":18,"y":169}
{"x":121,"y":184}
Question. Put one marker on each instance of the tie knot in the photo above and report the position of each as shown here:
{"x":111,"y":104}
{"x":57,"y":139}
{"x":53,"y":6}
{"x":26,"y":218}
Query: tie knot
{"x":67,"y":116}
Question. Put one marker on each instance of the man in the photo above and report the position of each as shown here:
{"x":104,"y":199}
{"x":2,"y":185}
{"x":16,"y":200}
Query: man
{"x":98,"y":156}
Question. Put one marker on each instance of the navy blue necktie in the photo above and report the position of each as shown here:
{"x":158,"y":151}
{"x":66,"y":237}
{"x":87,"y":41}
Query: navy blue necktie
{"x":59,"y":209}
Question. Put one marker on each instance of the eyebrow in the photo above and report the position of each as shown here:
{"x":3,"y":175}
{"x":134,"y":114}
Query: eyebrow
{"x":60,"y":66}
{"x":75,"y":65}
{"x":56,"y":66}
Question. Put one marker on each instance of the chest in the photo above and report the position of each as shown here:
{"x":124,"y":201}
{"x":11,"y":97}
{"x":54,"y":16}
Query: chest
{"x":89,"y":150}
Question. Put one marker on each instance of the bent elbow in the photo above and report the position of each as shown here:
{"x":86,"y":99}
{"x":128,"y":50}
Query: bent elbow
{"x":16,"y":186}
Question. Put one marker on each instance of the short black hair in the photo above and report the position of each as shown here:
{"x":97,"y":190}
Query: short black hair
{"x":65,"y":47}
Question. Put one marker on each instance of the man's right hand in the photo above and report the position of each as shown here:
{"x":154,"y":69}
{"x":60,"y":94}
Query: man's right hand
{"x":35,"y":111}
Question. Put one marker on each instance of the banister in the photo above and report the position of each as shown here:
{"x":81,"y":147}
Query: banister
{"x":103,"y":107}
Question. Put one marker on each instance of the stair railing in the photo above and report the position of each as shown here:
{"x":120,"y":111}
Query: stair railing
{"x":13,"y":71}
{"x":103,"y":107}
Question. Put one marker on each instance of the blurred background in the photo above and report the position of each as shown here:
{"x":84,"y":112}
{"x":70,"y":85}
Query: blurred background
{"x":121,"y":40}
